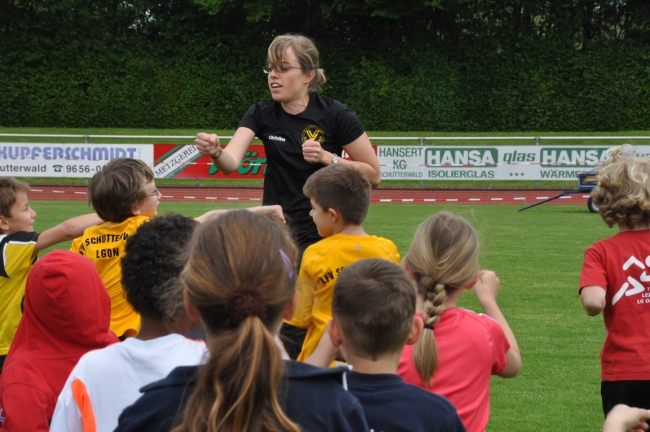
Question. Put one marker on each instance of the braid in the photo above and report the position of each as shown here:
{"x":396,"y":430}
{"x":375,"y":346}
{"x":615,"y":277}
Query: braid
{"x":433,"y":302}
{"x":425,"y":351}
{"x":443,"y":259}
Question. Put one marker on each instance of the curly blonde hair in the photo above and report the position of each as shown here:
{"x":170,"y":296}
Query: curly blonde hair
{"x":623,"y":191}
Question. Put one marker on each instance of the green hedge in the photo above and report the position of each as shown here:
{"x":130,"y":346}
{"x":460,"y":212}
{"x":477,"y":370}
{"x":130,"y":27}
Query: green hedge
{"x":188,"y":69}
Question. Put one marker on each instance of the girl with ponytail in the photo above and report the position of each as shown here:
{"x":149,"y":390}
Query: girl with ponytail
{"x":240,"y":281}
{"x":459,"y":350}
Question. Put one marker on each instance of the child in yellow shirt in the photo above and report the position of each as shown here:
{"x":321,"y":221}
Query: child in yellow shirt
{"x":20,"y":244}
{"x":340,"y":199}
{"x":125,"y":196}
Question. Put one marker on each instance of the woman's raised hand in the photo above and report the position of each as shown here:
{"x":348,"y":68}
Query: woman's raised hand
{"x":208,"y":144}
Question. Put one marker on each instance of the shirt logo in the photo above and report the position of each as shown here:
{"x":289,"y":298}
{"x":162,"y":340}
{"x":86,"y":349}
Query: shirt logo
{"x":314,"y":133}
{"x":277,"y":138}
{"x":633,"y":286}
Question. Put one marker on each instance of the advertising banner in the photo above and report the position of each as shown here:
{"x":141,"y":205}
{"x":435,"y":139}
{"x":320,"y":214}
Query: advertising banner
{"x":556,"y":162}
{"x":552,"y":162}
{"x":184,"y":161}
{"x":65,"y":160}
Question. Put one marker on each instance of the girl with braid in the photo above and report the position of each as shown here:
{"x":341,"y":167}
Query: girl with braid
{"x":240,"y":281}
{"x":459,"y":349}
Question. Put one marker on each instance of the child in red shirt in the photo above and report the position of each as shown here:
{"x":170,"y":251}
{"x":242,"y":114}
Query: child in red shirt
{"x":614,"y":279}
{"x":458,"y":357}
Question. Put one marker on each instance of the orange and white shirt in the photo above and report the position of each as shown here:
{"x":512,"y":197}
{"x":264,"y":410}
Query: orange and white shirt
{"x":106,"y":381}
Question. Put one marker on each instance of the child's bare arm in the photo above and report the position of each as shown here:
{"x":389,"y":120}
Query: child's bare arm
{"x":487,"y":290}
{"x":273,"y":212}
{"x":623,"y":418}
{"x":325,"y":353}
{"x":593,"y":299}
{"x":67,"y":230}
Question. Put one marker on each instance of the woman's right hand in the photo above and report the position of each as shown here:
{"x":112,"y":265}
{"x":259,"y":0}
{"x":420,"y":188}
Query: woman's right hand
{"x":208,"y":144}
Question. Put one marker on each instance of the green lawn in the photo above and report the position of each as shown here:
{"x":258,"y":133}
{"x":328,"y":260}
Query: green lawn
{"x":537,"y":254}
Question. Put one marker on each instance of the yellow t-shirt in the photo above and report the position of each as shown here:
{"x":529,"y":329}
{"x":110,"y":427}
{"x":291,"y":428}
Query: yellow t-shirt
{"x":104,"y":245}
{"x":321,"y":264}
{"x":17,"y":259}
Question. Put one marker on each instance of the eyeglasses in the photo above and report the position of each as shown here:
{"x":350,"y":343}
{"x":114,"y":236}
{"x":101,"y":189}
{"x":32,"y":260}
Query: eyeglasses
{"x":280,"y":69}
{"x":155,"y":192}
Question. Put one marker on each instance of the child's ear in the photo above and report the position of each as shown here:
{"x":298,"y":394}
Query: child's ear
{"x":416,"y":331}
{"x":334,"y":214}
{"x":190,"y":309}
{"x":290,"y":309}
{"x":335,"y":333}
{"x":470,"y":285}
{"x":407,"y":268}
{"x":135,"y":211}
{"x":4,"y":225}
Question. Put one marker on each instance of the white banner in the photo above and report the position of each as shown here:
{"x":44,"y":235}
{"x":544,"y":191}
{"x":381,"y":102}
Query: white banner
{"x":65,"y":160}
{"x":556,"y":162}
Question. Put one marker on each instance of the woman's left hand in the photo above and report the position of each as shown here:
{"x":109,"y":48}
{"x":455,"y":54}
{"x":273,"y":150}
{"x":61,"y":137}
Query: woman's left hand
{"x":313,"y":152}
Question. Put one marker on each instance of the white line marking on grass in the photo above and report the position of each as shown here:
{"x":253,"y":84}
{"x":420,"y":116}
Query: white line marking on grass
{"x":496,"y":199}
{"x":80,"y":193}
{"x":452,"y":199}
{"x":521,"y":199}
{"x":36,"y":190}
{"x":254,"y":199}
{"x":211,"y":198}
{"x":233,"y":199}
{"x":586,"y":196}
{"x":407,"y":199}
{"x":429,"y":200}
{"x":475,"y":199}
{"x":58,"y":191}
{"x":541,"y":197}
{"x":385,"y":200}
{"x":565,"y":197}
{"x":189,"y":197}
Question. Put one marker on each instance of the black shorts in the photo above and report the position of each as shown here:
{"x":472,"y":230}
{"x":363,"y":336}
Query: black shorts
{"x":632,"y":393}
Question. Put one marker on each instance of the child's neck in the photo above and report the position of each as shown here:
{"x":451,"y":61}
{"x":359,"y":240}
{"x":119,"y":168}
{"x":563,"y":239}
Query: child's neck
{"x":622,"y":226}
{"x":152,"y":328}
{"x":387,"y":364}
{"x":349,"y":229}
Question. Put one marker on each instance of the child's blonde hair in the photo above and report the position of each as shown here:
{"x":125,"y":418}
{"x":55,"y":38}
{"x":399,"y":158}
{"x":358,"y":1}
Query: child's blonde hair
{"x":623,"y":191}
{"x":443,"y":258}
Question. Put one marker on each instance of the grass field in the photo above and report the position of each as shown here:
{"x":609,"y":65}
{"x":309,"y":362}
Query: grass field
{"x":537,"y":254}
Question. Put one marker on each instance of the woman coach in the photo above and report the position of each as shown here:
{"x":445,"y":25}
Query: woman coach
{"x":302,"y":132}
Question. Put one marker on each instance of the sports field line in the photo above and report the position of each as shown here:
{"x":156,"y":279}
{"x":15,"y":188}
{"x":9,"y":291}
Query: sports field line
{"x":408,"y":196}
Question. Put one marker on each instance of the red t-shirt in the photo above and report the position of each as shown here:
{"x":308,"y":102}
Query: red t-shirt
{"x":621,"y":265}
{"x":471,"y":348}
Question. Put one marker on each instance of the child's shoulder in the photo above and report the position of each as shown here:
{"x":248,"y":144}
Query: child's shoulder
{"x":383,"y":395}
{"x":623,"y":239}
{"x":19,"y":237}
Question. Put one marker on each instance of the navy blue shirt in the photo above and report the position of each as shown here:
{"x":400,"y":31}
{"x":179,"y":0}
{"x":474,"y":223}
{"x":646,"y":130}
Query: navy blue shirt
{"x":391,"y":405}
{"x":312,"y":397}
